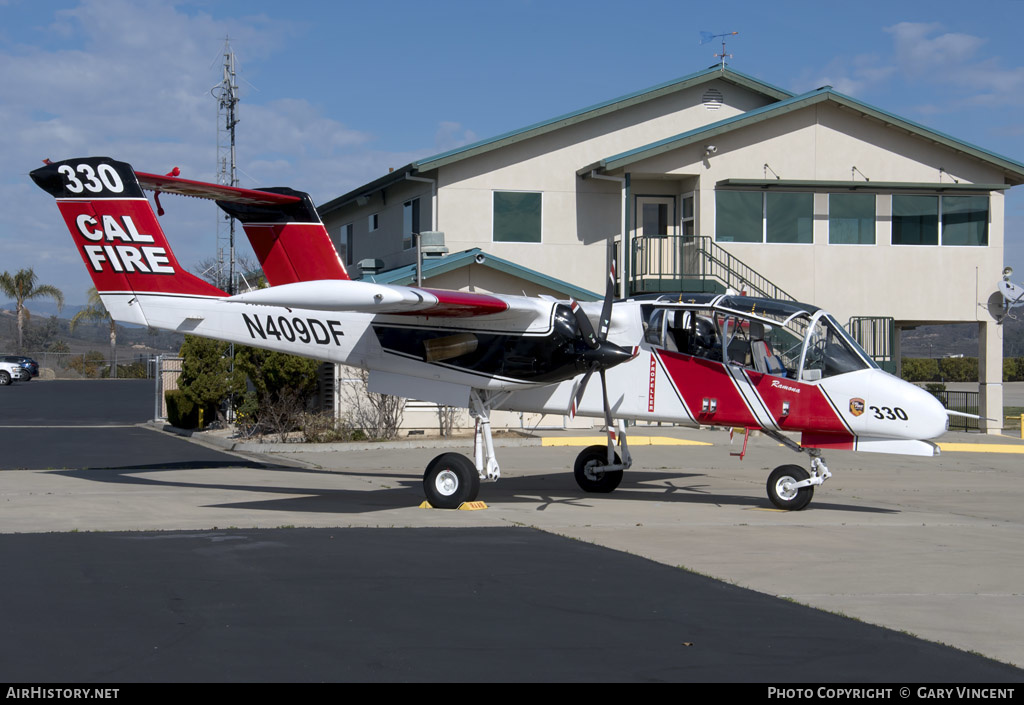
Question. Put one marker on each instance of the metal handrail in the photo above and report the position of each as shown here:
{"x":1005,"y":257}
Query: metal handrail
{"x":699,"y":257}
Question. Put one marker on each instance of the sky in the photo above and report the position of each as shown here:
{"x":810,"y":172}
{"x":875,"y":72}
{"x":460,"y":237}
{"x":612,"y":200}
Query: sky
{"x":335,"y":93}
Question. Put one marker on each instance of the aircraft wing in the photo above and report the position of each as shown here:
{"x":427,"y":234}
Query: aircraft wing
{"x":368,"y":297}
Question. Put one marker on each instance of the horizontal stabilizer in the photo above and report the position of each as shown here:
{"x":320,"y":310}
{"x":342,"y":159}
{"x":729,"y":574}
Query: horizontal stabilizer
{"x":217,"y":192}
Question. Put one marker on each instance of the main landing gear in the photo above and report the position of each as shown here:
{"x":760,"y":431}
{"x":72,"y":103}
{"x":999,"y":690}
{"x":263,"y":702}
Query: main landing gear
{"x":451,"y":478}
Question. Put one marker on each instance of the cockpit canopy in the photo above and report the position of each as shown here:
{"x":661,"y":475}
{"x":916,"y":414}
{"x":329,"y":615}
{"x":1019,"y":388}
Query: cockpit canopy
{"x":782,"y":338}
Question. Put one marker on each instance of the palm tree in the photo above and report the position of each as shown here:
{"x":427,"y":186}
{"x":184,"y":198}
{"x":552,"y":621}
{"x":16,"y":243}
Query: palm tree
{"x":22,"y":287}
{"x":96,"y":311}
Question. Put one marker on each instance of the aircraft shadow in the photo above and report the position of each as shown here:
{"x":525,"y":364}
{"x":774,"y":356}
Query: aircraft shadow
{"x":406,"y":490}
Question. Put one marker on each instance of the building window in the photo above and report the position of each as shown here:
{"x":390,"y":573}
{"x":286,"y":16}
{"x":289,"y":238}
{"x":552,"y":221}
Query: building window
{"x":517,"y":216}
{"x":851,"y":219}
{"x":788,"y":217}
{"x":915,"y":220}
{"x":655,"y":219}
{"x":688,"y":222}
{"x":373,"y":222}
{"x":931,"y":220}
{"x":773,"y":217}
{"x":345,"y":244}
{"x":965,"y":220}
{"x":739,"y":216}
{"x":410,"y":223}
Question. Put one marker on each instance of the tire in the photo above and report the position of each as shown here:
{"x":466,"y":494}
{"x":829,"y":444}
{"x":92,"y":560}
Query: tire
{"x":590,"y":473}
{"x":5,"y":377}
{"x":789,"y":499}
{"x":450,"y":480}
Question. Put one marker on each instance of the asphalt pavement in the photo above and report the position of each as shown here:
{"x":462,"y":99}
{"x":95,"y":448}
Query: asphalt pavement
{"x":135,"y":555}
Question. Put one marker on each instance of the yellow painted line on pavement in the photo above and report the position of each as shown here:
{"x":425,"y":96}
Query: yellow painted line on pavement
{"x":633,"y":441}
{"x":980,"y":448}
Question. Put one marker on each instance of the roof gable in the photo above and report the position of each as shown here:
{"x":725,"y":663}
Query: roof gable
{"x":674,"y":86}
{"x":1014,"y":170}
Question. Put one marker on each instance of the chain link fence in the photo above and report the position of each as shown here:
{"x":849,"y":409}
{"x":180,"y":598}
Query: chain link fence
{"x":91,"y":365}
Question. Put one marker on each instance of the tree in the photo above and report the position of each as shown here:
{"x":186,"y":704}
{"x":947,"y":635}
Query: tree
{"x":23,"y":287}
{"x":283,"y":386}
{"x":96,"y":311}
{"x":207,"y":375}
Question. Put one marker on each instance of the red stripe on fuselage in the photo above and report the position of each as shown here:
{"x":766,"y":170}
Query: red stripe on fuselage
{"x":809,"y":409}
{"x":697,"y":379}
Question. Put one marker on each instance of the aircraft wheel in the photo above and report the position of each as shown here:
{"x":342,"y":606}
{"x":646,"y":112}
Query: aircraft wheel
{"x":5,"y":377}
{"x":590,"y":473}
{"x":781,"y":492}
{"x":450,"y":480}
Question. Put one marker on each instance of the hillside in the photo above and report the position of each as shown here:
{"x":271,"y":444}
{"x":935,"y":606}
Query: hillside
{"x":52,"y":335}
{"x":960,"y":339}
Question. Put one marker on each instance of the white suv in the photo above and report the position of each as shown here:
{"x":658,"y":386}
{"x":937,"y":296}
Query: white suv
{"x":10,"y":372}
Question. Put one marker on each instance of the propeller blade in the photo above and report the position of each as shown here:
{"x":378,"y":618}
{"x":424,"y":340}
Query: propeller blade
{"x":584,"y":324}
{"x":577,"y":396}
{"x":609,"y":298}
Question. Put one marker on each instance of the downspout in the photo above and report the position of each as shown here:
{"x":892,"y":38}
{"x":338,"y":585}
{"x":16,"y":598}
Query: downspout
{"x":624,"y":209}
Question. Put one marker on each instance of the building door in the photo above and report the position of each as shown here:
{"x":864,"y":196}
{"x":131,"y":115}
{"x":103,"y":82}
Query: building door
{"x":655,"y":231}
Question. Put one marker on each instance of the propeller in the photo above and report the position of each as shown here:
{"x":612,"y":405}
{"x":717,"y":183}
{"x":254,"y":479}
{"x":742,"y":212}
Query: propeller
{"x":602,"y":354}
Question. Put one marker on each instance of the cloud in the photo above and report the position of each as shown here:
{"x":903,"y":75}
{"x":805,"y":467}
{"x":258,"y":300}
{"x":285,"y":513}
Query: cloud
{"x":853,"y":76}
{"x":132,"y":79}
{"x":451,"y":135}
{"x":918,"y":54}
{"x":951,"y":59}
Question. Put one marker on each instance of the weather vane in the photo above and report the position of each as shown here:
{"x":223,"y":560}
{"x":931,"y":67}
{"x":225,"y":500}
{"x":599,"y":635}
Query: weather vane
{"x":706,"y":37}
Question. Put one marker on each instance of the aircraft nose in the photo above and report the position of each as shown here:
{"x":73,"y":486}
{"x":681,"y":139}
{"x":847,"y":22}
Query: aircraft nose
{"x":930,"y":417}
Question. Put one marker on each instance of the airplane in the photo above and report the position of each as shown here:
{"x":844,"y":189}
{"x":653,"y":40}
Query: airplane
{"x":691,"y":359}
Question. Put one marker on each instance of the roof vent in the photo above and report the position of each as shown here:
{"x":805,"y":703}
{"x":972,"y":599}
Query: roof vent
{"x":712,"y":99}
{"x":371,"y":266}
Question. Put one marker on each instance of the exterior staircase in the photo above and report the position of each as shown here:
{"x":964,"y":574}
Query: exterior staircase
{"x":696,"y":263}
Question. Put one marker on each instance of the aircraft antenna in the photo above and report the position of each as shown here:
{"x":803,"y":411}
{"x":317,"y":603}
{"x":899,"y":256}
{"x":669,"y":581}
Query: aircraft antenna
{"x":226,"y":94}
{"x":706,"y":37}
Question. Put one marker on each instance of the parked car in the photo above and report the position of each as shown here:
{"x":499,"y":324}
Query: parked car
{"x":11,"y":371}
{"x":26,"y":363}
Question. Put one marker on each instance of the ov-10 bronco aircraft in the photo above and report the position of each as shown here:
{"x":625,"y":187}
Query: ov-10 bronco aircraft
{"x":691,"y":359}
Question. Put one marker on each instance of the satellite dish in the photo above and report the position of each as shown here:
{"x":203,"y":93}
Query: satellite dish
{"x":1008,"y":296}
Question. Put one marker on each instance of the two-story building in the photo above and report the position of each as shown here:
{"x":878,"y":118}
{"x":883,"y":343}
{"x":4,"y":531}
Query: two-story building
{"x":718,"y":179}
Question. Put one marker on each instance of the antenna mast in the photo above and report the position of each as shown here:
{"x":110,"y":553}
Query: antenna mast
{"x":226,"y":93}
